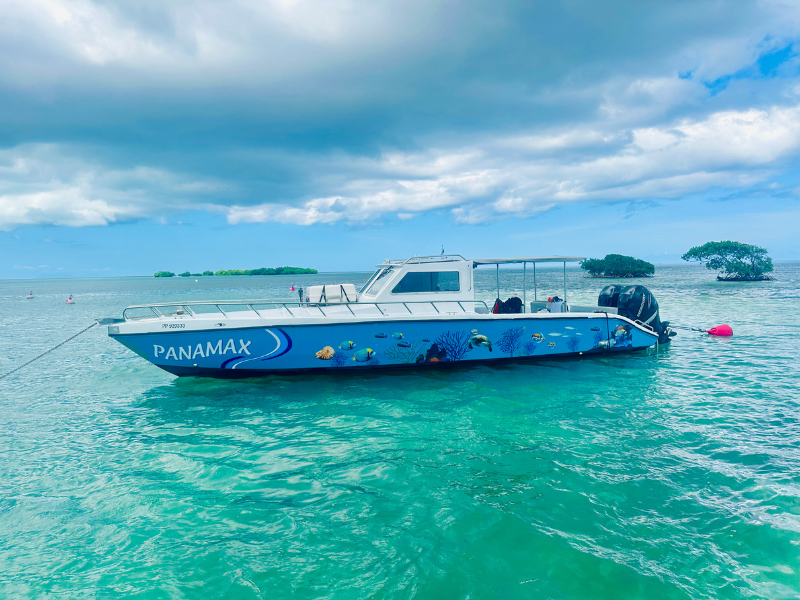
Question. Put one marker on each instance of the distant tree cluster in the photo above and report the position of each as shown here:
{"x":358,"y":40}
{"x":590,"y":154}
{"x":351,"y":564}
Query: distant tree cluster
{"x":617,"y":265}
{"x":270,"y":271}
{"x":735,"y":261}
{"x":262,"y":271}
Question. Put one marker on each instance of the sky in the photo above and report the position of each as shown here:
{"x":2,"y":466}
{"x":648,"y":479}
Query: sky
{"x":148,"y":135}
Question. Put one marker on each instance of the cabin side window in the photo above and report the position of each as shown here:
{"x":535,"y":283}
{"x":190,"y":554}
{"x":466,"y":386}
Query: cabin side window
{"x":422,"y":282}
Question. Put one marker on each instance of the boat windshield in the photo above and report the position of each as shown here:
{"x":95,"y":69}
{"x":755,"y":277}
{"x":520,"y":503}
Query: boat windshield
{"x":369,"y":281}
{"x":376,"y":282}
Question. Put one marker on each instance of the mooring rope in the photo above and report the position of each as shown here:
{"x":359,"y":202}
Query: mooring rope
{"x":48,"y":351}
{"x":687,"y":328}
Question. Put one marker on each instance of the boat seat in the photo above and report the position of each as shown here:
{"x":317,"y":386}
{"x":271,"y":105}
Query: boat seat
{"x":331,"y":294}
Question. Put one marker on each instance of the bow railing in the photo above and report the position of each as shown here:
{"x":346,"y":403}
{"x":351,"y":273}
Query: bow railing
{"x":282,"y":309}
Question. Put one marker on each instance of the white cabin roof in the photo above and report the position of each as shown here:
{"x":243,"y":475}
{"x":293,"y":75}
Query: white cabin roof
{"x":418,"y":260}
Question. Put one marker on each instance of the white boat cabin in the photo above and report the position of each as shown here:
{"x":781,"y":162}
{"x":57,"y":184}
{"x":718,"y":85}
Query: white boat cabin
{"x":445,"y":278}
{"x":421,"y":279}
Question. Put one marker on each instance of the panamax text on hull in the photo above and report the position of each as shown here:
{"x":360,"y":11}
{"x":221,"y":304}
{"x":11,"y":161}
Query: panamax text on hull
{"x":418,"y":312}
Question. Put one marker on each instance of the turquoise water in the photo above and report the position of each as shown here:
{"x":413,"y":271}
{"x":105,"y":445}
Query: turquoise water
{"x":656,"y":475}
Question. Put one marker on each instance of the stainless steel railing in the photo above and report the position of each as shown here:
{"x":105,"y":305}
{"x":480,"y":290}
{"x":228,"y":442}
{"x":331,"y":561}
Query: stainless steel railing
{"x":194,"y":309}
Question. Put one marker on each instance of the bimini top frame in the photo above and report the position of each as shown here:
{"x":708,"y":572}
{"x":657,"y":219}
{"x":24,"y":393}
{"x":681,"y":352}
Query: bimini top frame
{"x":476,"y":262}
{"x":525,"y":260}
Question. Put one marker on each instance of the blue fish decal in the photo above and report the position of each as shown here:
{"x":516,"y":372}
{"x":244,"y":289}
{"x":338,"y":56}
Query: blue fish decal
{"x":404,"y":344}
{"x":347,"y":345}
{"x":364,"y":355}
{"x":426,"y":340}
{"x":397,"y":336}
{"x":380,"y":336}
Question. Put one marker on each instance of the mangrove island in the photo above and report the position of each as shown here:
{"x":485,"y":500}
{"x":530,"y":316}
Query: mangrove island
{"x":261,"y":271}
{"x":735,"y":261}
{"x":617,"y":265}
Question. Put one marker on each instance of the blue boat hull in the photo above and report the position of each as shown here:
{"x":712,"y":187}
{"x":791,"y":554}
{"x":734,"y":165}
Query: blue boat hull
{"x":296,"y":349}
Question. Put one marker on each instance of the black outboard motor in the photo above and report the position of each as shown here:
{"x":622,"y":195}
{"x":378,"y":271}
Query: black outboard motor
{"x":609,"y":296}
{"x":637,"y":304}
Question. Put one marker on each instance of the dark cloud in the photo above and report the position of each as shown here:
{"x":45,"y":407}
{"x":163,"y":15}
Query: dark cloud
{"x":318,"y":111}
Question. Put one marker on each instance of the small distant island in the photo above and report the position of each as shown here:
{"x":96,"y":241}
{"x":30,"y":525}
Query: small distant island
{"x":617,"y":265}
{"x":261,"y":271}
{"x":734,"y":261}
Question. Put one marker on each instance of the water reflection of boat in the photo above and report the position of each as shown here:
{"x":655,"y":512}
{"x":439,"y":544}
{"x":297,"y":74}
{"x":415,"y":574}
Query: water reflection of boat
{"x":416,"y":312}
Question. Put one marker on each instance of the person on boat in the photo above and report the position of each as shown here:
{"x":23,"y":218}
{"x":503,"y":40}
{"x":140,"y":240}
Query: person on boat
{"x":70,"y":300}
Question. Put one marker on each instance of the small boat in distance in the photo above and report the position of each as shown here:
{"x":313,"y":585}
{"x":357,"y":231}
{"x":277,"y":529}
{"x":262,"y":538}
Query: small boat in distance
{"x":419,"y":312}
{"x":29,"y":296}
{"x":70,"y":300}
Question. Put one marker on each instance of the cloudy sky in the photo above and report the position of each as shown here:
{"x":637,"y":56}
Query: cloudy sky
{"x":138,"y":135}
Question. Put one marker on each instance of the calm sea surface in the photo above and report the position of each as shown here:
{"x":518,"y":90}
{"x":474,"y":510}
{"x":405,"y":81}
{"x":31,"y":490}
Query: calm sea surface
{"x":655,"y":475}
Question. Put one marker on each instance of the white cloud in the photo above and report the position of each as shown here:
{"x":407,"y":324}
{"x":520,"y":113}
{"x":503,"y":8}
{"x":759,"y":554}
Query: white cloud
{"x":493,"y":178}
{"x":598,"y":124}
{"x":67,"y":206}
{"x":46,"y":184}
{"x":728,"y":149}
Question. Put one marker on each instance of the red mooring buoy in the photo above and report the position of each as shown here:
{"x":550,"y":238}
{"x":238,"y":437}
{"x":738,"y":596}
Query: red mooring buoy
{"x":724,"y":330}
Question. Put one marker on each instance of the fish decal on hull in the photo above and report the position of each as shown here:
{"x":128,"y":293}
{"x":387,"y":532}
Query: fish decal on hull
{"x":381,"y":336}
{"x":347,"y":345}
{"x":364,"y":355}
{"x":397,"y":336}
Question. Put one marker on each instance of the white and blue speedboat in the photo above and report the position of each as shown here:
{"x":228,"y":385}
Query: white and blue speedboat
{"x":419,"y":312}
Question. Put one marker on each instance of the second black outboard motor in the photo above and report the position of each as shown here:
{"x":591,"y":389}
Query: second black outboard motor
{"x":636,"y":303}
